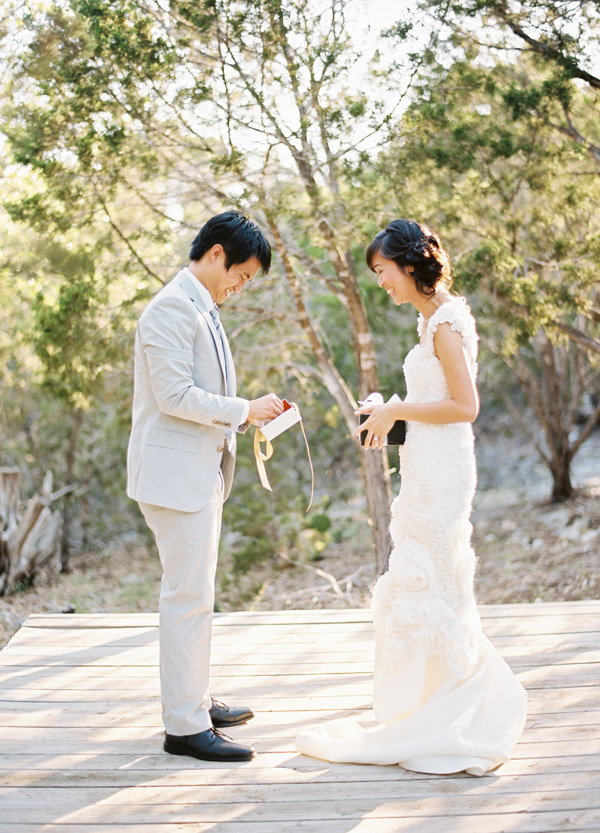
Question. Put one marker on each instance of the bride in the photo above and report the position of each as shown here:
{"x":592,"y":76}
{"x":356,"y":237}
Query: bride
{"x":444,"y":700}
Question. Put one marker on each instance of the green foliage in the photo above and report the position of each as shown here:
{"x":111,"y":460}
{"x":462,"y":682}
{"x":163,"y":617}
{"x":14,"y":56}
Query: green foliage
{"x":68,"y":339}
{"x":129,"y":123}
{"x":509,"y":199}
{"x":320,"y":522}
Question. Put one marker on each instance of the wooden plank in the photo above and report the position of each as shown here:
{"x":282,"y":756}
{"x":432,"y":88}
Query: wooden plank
{"x":557,"y":677}
{"x":237,"y":686}
{"x":539,"y":608}
{"x":561,"y":621}
{"x":232,"y":678}
{"x":81,"y":637}
{"x":116,"y":709}
{"x":520,"y":610}
{"x":20,"y":655}
{"x":35,"y":715}
{"x":39,"y":640}
{"x":88,"y":806}
{"x":535,"y":822}
{"x":568,"y":701}
{"x":283,"y":765}
{"x":286,"y":724}
{"x":272,"y":640}
{"x":304,"y":702}
{"x":554,"y":791}
{"x":176,"y":790}
{"x":66,"y":717}
{"x":34,"y":656}
{"x":110,"y":771}
{"x":278,"y":724}
{"x":235,"y":682}
{"x":143,"y":740}
{"x":563,"y":707}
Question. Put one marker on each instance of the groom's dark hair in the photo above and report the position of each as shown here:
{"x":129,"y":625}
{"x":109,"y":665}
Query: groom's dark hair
{"x":240,"y":237}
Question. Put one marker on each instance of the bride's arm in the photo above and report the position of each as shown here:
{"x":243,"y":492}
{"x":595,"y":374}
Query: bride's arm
{"x":463,"y":403}
{"x":461,"y":406}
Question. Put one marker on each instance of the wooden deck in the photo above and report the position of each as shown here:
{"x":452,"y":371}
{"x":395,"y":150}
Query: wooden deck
{"x":81,"y":733}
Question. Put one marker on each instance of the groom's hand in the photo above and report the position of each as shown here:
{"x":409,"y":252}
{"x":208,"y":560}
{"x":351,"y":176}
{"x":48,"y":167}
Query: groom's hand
{"x":267,"y":407}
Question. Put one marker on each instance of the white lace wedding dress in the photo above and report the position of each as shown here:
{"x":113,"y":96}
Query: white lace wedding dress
{"x":444,"y":700}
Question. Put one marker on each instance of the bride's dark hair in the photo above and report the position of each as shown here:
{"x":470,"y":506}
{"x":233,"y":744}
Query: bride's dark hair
{"x":408,"y":243}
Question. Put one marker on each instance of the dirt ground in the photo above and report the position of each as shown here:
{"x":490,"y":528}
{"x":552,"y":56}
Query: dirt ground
{"x":528,"y":551}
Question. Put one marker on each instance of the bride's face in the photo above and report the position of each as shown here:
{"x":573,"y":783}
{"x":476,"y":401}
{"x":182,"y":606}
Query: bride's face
{"x":396,"y":280}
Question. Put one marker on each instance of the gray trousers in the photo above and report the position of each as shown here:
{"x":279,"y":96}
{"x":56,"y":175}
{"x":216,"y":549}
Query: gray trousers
{"x":188,"y":544}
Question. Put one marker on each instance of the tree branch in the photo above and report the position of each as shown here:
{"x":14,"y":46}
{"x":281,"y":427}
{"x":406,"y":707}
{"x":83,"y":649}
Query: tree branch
{"x":549,"y":52}
{"x":587,"y":430}
{"x":586,"y":341}
{"x":125,"y":239}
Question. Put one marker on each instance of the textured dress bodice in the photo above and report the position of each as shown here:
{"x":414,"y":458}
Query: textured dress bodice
{"x":425,"y":380}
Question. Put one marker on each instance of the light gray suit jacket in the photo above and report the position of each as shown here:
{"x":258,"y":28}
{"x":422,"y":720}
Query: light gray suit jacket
{"x":184,"y":402}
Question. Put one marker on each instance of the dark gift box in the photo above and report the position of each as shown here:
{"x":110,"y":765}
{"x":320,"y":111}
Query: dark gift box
{"x":396,"y":436}
{"x":398,"y":433}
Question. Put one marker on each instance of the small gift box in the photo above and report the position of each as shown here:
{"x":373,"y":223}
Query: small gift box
{"x":274,"y":427}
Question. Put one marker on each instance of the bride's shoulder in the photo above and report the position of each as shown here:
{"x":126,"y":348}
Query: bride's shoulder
{"x":456,"y":312}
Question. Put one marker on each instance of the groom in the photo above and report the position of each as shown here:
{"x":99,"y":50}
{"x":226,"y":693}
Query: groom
{"x":180,"y":465}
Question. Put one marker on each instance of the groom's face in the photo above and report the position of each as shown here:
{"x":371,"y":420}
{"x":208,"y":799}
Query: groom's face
{"x":231,"y":281}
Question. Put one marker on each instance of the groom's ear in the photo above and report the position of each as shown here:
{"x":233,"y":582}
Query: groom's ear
{"x":216,"y":252}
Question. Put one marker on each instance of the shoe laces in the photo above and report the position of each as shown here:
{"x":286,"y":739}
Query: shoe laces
{"x":221,"y":734}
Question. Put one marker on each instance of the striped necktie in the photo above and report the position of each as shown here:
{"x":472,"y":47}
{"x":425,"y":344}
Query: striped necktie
{"x":214,"y":314}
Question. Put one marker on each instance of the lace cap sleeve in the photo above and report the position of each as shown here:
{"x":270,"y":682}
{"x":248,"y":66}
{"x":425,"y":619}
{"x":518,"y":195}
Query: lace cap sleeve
{"x":458,"y":314}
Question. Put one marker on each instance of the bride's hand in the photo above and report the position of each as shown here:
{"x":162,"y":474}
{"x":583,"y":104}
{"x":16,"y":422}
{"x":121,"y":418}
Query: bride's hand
{"x":377,"y":426}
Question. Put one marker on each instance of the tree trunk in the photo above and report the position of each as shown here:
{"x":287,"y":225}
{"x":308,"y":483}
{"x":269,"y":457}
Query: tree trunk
{"x":374,"y":464}
{"x":553,"y":395}
{"x":9,"y":506}
{"x":562,"y":488}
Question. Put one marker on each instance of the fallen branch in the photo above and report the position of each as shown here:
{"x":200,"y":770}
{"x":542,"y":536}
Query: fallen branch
{"x":331,"y":579}
{"x":28,"y":542}
{"x":334,"y":584}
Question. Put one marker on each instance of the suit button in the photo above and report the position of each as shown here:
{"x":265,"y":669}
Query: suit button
{"x":220,"y":448}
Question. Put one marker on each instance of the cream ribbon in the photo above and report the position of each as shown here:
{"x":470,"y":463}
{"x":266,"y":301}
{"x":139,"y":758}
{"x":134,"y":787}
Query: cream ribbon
{"x":262,"y":456}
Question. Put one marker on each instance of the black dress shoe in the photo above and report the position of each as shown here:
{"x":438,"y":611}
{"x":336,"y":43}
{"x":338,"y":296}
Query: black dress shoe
{"x":211,"y":745}
{"x":222,"y":715}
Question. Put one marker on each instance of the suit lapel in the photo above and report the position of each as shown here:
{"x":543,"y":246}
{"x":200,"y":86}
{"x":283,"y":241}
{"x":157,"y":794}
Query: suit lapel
{"x":189,"y":286}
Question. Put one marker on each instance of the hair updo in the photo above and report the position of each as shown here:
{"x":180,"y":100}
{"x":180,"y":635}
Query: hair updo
{"x":408,"y":243}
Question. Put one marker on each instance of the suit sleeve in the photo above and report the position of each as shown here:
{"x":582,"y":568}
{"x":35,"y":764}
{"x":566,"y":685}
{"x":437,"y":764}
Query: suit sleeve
{"x":167,"y":331}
